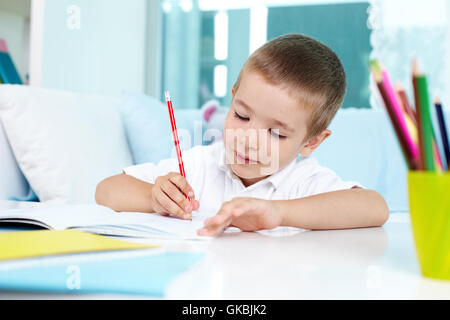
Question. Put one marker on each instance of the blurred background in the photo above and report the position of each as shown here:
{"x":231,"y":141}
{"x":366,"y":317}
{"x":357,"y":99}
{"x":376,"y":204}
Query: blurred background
{"x":196,"y":48}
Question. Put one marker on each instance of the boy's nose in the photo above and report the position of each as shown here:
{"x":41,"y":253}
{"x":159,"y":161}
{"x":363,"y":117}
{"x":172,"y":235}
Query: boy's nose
{"x":250,"y":141}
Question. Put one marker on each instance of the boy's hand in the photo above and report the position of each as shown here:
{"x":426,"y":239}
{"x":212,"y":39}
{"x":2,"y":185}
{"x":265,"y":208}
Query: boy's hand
{"x":169,"y":196}
{"x":248,"y":214}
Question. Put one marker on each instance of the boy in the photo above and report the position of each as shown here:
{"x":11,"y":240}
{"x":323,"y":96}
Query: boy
{"x":286,"y":95}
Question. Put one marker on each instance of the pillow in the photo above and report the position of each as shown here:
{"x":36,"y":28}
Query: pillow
{"x":30,"y":196}
{"x":363,"y":147}
{"x":64,"y":143}
{"x":148,"y":128}
{"x":12,"y":183}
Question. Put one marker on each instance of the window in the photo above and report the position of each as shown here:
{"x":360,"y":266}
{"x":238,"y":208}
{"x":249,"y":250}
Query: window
{"x":206,"y":42}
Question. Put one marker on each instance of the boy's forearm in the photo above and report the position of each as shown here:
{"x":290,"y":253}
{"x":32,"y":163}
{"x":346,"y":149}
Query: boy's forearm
{"x":124,"y":193}
{"x":354,"y":208}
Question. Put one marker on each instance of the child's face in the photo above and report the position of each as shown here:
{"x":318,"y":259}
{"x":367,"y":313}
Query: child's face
{"x":264,"y":129}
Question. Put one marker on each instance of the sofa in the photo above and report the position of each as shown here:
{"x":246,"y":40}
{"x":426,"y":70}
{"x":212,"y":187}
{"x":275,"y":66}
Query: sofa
{"x":56,"y":146}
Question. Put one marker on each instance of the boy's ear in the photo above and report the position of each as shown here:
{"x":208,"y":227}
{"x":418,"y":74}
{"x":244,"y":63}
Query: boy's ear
{"x":314,"y":142}
{"x":233,"y":90}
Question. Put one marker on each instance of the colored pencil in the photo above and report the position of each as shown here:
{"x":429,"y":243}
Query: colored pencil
{"x":415,"y":137}
{"x":411,"y":146}
{"x":175,"y":135}
{"x":423,"y":114}
{"x":411,"y":122}
{"x":437,"y":157}
{"x":400,"y":132}
{"x":398,"y":112}
{"x":404,"y":101}
{"x":412,"y":128}
{"x":443,"y":130}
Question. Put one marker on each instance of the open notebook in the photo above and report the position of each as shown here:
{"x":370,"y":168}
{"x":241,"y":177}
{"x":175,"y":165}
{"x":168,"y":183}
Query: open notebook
{"x":102,"y":220}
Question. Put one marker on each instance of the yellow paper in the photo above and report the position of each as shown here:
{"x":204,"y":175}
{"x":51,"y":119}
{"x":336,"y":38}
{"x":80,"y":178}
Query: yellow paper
{"x":27,"y":244}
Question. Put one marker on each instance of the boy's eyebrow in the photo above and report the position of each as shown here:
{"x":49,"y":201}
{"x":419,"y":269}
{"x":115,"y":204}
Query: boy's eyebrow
{"x":242,"y":103}
{"x":278,"y":122}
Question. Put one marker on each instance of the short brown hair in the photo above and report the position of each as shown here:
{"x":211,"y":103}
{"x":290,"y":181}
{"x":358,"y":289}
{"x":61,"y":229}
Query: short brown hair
{"x":308,"y":69}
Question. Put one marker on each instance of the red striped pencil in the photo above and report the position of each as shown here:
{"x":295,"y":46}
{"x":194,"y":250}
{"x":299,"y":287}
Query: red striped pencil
{"x":175,"y":135}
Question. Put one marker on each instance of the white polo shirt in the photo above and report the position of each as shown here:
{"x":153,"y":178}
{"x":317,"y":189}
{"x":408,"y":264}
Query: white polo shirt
{"x":214,"y":182}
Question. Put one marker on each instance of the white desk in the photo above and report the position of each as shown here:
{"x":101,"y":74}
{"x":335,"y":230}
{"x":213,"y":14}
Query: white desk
{"x":372,"y":263}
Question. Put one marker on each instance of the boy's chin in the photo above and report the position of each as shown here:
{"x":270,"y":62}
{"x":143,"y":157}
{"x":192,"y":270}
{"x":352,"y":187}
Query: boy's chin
{"x":249,"y":171}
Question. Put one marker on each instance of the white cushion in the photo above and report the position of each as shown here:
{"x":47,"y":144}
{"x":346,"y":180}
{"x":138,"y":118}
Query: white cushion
{"x":12,"y":183}
{"x":64,"y":143}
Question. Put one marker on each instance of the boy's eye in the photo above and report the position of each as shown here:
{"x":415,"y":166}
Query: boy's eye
{"x":240,"y":117}
{"x":276,"y":135}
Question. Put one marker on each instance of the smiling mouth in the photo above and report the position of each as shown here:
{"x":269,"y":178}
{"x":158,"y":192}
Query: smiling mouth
{"x":244,"y":159}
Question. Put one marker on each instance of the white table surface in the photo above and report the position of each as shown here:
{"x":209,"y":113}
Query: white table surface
{"x":369,"y":263}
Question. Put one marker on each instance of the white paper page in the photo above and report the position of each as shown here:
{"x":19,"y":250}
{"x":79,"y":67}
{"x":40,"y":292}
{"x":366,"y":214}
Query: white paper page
{"x":100,"y":219}
{"x":146,"y":222}
{"x":60,"y":217}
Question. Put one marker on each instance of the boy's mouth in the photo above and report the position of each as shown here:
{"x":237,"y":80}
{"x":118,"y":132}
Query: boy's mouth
{"x":241,"y":159}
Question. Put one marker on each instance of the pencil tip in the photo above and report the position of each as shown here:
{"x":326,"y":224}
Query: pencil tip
{"x":167,"y":95}
{"x":376,"y":74}
{"x":415,"y":67}
{"x":376,"y":65}
{"x":437,"y":100}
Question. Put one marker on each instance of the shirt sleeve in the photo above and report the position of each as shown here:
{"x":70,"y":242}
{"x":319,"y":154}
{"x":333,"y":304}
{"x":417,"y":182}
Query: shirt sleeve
{"x":323,"y":181}
{"x":149,"y":171}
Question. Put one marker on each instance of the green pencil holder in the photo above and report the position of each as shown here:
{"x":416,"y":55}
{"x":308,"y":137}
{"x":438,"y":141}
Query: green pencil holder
{"x":429,"y":206}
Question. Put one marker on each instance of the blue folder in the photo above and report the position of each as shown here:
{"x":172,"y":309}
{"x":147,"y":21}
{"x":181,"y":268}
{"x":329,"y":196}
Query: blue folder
{"x":146,"y":275}
{"x":8,"y":72}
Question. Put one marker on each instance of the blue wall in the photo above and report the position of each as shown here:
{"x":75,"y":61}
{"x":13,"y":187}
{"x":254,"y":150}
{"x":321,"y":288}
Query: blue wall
{"x":105,"y":55}
{"x":343,"y":27}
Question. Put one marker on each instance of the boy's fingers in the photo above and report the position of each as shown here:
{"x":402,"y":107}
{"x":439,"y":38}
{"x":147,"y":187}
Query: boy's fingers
{"x":168,"y":205}
{"x":221,"y":220}
{"x":183,"y":185}
{"x":205,"y":232}
{"x":218,"y":220}
{"x":213,"y":229}
{"x":195,"y":205}
{"x":175,"y":194}
{"x":217,"y":223}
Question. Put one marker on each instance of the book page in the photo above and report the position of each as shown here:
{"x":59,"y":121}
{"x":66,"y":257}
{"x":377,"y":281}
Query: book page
{"x":60,"y":217}
{"x":100,"y":219}
{"x":146,"y":222}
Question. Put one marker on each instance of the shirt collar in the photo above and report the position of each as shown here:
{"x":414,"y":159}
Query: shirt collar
{"x":275,"y":179}
{"x":278,"y":177}
{"x":222,"y":159}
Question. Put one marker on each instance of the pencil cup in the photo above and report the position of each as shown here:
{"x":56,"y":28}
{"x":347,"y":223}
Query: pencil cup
{"x":429,"y":206}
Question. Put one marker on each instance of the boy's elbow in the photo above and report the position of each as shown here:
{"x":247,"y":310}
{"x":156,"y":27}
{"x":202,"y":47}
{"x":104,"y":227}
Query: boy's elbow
{"x":101,"y":193}
{"x":383,"y":216}
{"x":381,"y":213}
